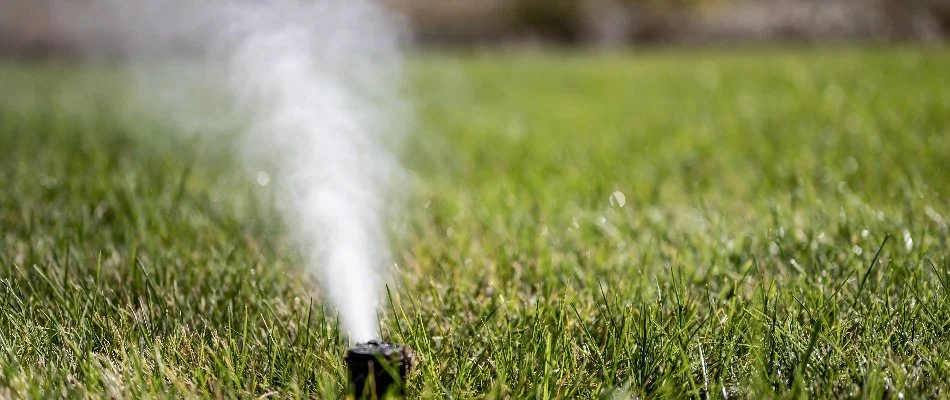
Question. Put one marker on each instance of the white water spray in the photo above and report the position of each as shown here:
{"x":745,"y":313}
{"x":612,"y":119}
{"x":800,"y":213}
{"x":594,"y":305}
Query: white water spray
{"x":313,"y":86}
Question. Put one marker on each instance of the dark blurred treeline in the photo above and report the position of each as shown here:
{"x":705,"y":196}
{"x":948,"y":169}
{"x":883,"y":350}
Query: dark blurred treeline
{"x":59,"y":27}
{"x":633,"y":22}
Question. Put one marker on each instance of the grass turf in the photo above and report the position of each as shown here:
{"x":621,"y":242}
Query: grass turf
{"x":731,"y":224}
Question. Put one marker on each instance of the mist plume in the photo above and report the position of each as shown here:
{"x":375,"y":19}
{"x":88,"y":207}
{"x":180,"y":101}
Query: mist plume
{"x":310,"y":90}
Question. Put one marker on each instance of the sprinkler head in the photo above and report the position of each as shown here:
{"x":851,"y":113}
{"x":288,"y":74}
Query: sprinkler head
{"x":378,"y":369}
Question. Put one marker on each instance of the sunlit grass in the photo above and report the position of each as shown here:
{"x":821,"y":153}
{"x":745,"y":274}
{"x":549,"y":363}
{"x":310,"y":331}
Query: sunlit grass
{"x":754,"y":224}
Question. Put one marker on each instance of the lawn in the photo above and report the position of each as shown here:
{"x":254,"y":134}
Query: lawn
{"x":745,"y":223}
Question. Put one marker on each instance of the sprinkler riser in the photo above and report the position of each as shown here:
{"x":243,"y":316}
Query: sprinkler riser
{"x":378,"y":369}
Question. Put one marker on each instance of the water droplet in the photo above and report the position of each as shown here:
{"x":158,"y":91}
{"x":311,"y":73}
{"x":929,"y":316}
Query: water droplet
{"x":933,"y":215}
{"x":857,"y":250}
{"x":842,"y":187}
{"x":263,"y":178}
{"x":617,"y":199}
{"x":601,"y":220}
{"x":515,"y":129}
{"x":851,"y":165}
{"x":865,"y":233}
{"x":908,"y":241}
{"x":834,"y":95}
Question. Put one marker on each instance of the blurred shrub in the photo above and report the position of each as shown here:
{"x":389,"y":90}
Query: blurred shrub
{"x":582,"y":21}
{"x":928,"y":19}
{"x":561,"y":20}
{"x":455,"y":21}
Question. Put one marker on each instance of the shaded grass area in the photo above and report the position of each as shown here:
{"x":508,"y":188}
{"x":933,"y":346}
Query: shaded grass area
{"x":745,"y":224}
